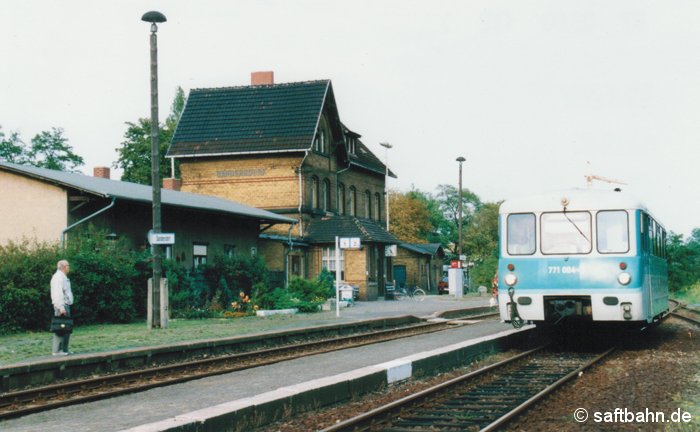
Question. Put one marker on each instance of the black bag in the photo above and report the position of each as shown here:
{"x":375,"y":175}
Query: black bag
{"x":61,"y":325}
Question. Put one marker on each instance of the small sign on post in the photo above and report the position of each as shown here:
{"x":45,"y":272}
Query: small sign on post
{"x":350,"y":242}
{"x":161,"y":238}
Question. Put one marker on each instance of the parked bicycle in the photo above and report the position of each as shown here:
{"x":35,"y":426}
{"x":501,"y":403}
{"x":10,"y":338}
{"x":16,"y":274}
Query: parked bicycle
{"x":414,"y":293}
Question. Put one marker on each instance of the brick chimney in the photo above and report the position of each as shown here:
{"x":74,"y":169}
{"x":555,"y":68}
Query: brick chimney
{"x":101,"y":172}
{"x":172,"y":184}
{"x":262,"y":78}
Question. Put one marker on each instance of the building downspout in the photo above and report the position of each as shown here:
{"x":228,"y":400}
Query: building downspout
{"x":301,"y":196}
{"x":63,"y":233}
{"x":286,"y":257}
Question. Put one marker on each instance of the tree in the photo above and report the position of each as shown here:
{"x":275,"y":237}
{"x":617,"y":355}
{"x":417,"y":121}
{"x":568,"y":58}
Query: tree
{"x":683,"y":260}
{"x":48,"y":149}
{"x":448,"y":199}
{"x":135,"y":151}
{"x":480,"y":239}
{"x":410,"y":217}
{"x":51,"y":150}
{"x":12,"y":149}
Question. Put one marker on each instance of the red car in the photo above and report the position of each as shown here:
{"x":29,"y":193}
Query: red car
{"x":443,"y":286}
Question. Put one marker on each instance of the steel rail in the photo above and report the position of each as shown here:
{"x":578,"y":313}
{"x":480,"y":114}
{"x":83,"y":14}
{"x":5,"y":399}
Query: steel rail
{"x":545,"y":392}
{"x":686,"y":318}
{"x":24,"y":402}
{"x":369,"y":416}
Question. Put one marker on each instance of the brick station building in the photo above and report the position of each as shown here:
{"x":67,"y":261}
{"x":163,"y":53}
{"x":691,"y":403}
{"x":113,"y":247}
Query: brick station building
{"x":284,"y":149}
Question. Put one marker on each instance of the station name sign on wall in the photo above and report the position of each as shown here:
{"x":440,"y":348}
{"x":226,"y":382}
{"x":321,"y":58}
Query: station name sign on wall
{"x":249,"y":172}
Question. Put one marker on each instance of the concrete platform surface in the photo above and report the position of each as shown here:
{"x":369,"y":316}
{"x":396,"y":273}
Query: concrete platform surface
{"x":159,"y":404}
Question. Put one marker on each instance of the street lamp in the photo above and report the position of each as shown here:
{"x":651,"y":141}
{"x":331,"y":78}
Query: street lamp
{"x":459,"y":244}
{"x":386,"y":146}
{"x":154,"y":18}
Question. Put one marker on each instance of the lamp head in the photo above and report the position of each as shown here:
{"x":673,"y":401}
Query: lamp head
{"x":154,"y":17}
{"x":460,"y":159}
{"x":386,"y":145}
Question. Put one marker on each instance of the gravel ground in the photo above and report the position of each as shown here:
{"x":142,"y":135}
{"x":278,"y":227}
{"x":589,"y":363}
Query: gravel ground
{"x":659,"y":373}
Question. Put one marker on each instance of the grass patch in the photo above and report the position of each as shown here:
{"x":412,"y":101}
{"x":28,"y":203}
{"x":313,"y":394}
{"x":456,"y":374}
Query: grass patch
{"x":689,"y":295}
{"x":98,"y":338}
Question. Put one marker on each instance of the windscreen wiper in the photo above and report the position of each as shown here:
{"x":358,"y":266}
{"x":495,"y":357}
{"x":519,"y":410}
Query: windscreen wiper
{"x":576,"y":226}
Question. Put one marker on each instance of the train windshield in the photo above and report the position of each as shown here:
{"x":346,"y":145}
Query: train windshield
{"x":566,"y":233}
{"x":521,"y":234}
{"x":612,"y":231}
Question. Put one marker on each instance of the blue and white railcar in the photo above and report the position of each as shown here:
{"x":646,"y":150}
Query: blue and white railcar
{"x":581,"y":254}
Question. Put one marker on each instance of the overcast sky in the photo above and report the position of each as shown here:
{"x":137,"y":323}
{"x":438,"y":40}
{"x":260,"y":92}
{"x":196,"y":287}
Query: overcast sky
{"x":527,"y":92}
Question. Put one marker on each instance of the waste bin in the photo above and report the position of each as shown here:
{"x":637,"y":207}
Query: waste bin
{"x":346,"y":293}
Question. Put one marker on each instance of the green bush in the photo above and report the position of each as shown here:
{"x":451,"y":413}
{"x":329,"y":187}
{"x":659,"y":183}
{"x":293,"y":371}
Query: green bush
{"x":25,"y":295}
{"x":233,"y":275}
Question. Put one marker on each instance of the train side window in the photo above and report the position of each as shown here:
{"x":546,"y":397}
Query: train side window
{"x":645,"y":233}
{"x":521,"y":234}
{"x":612,"y":229}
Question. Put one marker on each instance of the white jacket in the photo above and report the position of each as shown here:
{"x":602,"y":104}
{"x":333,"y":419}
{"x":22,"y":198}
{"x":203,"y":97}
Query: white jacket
{"x":61,"y":294}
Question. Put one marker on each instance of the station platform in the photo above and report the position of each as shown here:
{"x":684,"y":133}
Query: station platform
{"x":200,"y":404}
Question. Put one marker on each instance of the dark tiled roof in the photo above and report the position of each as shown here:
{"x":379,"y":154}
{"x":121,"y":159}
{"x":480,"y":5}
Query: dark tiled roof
{"x":137,"y":192}
{"x":325,"y":229}
{"x":423,"y":248}
{"x":250,"y":119}
{"x":363,"y":156}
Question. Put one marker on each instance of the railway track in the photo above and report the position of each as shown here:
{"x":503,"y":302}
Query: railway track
{"x":29,"y":401}
{"x":686,"y":314}
{"x":481,"y":400}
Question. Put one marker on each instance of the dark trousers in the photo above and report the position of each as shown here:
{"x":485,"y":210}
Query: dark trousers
{"x":60,"y":342}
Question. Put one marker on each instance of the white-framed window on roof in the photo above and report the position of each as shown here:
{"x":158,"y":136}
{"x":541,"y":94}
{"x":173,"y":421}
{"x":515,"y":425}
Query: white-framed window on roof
{"x":321,"y":141}
{"x":328,"y":261}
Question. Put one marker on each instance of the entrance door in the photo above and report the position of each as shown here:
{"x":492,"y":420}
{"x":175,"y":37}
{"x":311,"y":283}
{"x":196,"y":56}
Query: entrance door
{"x":400,"y":275}
{"x":295,"y":264}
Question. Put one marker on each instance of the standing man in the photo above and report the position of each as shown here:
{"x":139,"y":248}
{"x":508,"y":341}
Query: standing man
{"x":62,"y":299}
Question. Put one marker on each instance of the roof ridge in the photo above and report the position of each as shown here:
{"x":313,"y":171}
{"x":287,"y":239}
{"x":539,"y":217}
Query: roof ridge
{"x":288,"y":84}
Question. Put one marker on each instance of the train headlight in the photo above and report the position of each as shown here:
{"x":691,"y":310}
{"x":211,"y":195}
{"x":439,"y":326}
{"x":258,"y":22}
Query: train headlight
{"x":624,"y":278}
{"x":510,"y":279}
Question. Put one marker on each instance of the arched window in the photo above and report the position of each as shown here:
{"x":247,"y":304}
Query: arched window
{"x":353,"y":201}
{"x":341,"y":199}
{"x":368,"y":204}
{"x":378,"y":206}
{"x":326,"y":195}
{"x":314,"y":192}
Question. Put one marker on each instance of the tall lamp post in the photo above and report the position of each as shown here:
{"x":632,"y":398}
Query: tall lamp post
{"x":459,"y":243}
{"x":156,"y":320}
{"x":386,"y":146}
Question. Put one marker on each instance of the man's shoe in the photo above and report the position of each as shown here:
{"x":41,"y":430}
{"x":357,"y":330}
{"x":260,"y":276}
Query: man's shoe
{"x":60,"y":353}
{"x":69,"y":352}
